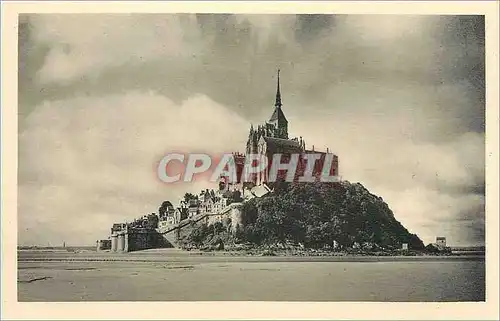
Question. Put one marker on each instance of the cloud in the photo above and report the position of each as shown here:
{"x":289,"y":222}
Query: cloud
{"x":90,"y":161}
{"x":83,"y":45}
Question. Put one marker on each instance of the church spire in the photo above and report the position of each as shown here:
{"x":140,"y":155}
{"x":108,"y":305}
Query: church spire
{"x":278,"y":119}
{"x":277,"y":104}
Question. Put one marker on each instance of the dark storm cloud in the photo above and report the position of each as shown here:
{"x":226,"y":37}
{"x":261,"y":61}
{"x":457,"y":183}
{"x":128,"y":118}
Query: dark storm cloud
{"x":31,"y":58}
{"x":466,"y":189}
{"x":308,"y":26}
{"x":463,"y":58}
{"x":231,"y":52}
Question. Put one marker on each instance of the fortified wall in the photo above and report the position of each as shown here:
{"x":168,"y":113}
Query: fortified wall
{"x":133,"y":239}
{"x":127,"y":239}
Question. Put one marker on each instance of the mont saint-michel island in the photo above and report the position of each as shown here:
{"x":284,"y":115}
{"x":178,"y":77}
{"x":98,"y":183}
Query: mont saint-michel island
{"x":268,"y":217}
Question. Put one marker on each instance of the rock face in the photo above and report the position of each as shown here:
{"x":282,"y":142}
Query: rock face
{"x":316,"y":215}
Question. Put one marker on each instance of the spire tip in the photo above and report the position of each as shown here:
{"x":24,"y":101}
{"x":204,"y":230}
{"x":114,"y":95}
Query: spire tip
{"x":278,"y":94}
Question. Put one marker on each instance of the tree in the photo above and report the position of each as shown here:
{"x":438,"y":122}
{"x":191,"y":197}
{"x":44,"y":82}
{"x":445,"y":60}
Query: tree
{"x":165,"y":206}
{"x":198,"y":235}
{"x":270,"y":220}
{"x":431,"y":248}
{"x":234,"y":197}
{"x":152,"y":221}
{"x":251,"y":233}
{"x":218,"y":227}
{"x":249,"y":212}
{"x":189,"y":196}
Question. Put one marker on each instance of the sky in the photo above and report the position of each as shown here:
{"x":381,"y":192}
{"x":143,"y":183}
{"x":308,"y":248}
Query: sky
{"x":103,"y":97}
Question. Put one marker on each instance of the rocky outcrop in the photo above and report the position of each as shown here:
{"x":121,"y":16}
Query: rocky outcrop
{"x":314,"y":215}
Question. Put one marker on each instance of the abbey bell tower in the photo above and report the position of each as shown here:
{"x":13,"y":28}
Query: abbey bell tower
{"x":278,"y":119}
{"x":276,"y":127}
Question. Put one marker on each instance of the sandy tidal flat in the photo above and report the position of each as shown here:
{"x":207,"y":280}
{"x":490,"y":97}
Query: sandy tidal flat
{"x":263,"y":280}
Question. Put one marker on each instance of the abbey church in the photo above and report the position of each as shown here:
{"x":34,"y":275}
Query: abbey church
{"x":272,"y":138}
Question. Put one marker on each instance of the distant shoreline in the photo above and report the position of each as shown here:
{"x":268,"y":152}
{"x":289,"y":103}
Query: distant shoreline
{"x":173,"y":255}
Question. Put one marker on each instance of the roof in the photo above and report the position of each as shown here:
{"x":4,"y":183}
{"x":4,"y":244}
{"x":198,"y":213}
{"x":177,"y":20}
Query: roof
{"x":282,"y":145}
{"x":310,"y":151}
{"x":279,"y":116}
{"x":260,"y":190}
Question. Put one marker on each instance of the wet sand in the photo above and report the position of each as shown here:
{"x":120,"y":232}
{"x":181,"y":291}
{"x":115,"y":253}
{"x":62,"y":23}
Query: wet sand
{"x":183,"y":276}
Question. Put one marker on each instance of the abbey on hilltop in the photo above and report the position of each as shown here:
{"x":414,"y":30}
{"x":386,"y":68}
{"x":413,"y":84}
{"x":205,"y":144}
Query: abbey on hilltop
{"x":223,"y":204}
{"x":272,"y":138}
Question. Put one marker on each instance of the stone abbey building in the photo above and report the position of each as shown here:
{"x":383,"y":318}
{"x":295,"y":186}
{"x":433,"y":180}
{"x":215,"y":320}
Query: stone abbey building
{"x":272,"y":138}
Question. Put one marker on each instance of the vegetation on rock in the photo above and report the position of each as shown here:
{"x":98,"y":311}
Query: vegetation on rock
{"x":315,"y":216}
